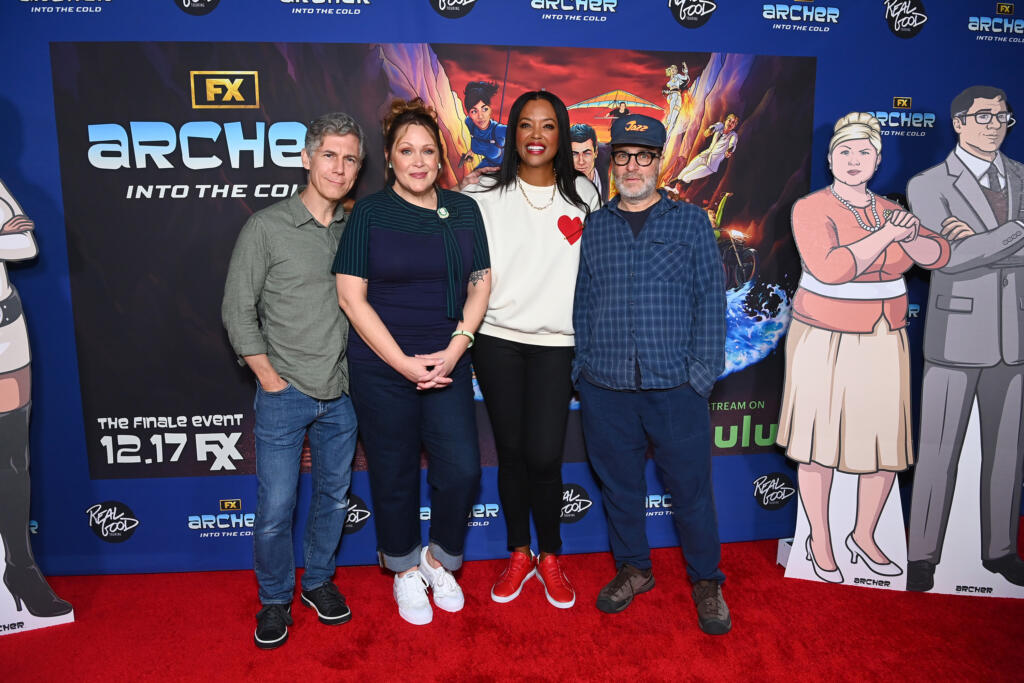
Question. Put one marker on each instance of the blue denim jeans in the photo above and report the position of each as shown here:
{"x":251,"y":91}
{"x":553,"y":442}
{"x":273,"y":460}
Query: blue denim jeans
{"x":397,"y":421}
{"x":283,"y":419}
{"x":617,"y":426}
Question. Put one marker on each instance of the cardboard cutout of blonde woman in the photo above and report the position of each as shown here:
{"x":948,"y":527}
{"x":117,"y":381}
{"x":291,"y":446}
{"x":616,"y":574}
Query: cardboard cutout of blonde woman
{"x":845,"y":413}
{"x":26,"y":600}
{"x":972,"y":395}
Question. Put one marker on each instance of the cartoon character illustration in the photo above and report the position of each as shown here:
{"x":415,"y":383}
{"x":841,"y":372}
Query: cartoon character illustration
{"x":849,"y":318}
{"x":738,"y":260}
{"x":722,"y":146}
{"x":590,"y":157}
{"x":617,"y":111}
{"x":678,"y":80}
{"x":488,"y":136}
{"x":973,"y":337}
{"x":22,"y":577}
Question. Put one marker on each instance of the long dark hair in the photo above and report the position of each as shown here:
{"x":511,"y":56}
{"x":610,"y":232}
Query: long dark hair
{"x":565,"y":172}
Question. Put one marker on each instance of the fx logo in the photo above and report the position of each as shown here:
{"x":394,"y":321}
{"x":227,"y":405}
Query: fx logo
{"x":901,"y":103}
{"x":221,"y":447}
{"x":232,"y":505}
{"x":225,"y":89}
{"x":1004,"y":8}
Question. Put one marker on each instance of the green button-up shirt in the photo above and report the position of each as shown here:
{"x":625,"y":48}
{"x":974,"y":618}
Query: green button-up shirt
{"x":280,"y":297}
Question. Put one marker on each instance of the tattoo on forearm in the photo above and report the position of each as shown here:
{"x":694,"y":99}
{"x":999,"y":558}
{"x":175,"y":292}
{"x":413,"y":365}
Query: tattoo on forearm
{"x":478,"y":275}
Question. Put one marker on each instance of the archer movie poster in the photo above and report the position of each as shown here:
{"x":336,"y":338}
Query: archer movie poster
{"x":167,"y":148}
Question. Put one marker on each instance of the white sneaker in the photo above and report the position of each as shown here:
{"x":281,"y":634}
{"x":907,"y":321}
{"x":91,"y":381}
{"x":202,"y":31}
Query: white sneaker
{"x":411,"y":596}
{"x":447,"y":594}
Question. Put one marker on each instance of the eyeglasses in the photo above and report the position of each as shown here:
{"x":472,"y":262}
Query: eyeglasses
{"x":642,"y":158}
{"x":985,"y":117}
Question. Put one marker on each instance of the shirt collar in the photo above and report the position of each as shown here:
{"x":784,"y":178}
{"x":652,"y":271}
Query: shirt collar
{"x":664,"y":204}
{"x":301,"y":215}
{"x":979,"y":167}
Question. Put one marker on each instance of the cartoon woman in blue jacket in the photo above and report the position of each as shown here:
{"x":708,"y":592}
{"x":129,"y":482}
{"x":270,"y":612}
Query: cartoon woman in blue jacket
{"x":488,"y":136}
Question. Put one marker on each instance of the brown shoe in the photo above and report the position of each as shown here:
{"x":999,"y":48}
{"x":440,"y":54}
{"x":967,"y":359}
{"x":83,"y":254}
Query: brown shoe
{"x":619,"y":592}
{"x":712,"y":612}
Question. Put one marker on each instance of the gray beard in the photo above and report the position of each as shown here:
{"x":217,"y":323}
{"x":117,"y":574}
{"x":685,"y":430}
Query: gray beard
{"x":643,"y":193}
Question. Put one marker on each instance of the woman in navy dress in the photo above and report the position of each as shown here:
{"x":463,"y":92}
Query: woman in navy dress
{"x":413,"y":278}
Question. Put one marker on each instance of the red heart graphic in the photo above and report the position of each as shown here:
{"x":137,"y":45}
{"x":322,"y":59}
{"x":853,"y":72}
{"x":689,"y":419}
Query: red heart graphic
{"x":572,"y":228}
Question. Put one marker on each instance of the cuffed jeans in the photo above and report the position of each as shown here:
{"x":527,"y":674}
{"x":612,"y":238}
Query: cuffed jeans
{"x":283,"y":419}
{"x":396,"y":420}
{"x":616,"y":426}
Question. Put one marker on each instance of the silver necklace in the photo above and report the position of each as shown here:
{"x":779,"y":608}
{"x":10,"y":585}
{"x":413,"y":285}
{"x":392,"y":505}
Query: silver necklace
{"x":532,"y":205}
{"x":856,"y":213}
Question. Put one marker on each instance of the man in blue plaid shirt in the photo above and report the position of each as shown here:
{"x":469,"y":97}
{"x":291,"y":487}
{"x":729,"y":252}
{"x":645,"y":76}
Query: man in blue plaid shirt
{"x":649,"y":319}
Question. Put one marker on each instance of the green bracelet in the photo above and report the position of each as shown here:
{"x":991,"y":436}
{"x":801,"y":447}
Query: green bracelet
{"x":468,"y":334}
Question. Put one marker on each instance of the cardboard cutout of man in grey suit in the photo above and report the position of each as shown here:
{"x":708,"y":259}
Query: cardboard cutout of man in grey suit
{"x":974,"y":337}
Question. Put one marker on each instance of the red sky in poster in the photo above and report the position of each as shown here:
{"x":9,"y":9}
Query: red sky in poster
{"x":571,"y":74}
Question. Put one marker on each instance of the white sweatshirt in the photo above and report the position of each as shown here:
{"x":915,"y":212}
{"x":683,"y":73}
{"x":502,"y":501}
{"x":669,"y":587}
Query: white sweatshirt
{"x":533,"y":263}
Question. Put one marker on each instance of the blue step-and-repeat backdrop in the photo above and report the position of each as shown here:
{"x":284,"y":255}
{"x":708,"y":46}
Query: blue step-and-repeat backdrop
{"x":139,"y":135}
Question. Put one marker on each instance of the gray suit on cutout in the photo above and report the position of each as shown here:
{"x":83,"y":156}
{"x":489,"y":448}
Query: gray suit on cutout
{"x":973,"y":347}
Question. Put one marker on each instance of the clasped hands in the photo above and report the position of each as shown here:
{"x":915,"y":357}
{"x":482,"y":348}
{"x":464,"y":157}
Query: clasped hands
{"x":903,"y":225}
{"x":429,"y":370}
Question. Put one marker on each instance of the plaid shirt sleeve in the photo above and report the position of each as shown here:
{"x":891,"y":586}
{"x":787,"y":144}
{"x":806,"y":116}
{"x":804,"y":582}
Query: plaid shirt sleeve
{"x":706,"y":360}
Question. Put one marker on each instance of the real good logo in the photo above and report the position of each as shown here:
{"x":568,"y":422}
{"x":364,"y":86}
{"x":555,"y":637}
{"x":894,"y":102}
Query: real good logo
{"x":358,"y":514}
{"x":197,"y":7}
{"x":773,"y":491}
{"x":112,"y":521}
{"x":453,"y":9}
{"x":575,"y":503}
{"x":905,"y":17}
{"x":692,"y":13}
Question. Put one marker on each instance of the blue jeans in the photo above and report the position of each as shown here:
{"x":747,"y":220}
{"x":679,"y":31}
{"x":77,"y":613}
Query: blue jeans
{"x":283,"y":419}
{"x":397,"y":420}
{"x":617,"y":426}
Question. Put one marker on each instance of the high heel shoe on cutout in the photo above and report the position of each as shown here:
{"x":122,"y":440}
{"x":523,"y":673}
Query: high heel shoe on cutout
{"x":833,"y":576}
{"x":27,"y":586}
{"x":887,"y":569}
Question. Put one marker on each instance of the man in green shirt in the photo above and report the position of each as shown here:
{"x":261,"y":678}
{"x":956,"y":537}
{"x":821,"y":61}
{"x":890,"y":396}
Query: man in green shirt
{"x":281,"y":312}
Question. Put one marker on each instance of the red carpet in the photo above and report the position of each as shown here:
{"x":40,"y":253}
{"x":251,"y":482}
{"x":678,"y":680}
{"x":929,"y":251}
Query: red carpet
{"x":198,"y":627}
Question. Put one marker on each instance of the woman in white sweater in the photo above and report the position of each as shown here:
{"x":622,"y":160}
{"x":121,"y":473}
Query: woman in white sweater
{"x":534,"y":207}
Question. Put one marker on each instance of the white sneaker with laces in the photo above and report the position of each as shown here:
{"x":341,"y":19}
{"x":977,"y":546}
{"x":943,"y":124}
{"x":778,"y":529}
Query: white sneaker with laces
{"x":447,"y":594}
{"x":411,"y":596}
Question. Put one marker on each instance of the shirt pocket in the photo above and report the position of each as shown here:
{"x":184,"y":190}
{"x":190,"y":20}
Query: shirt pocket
{"x":668,"y":260}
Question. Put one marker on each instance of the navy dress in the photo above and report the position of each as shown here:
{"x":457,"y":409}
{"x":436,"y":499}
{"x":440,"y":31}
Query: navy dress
{"x":417,"y":264}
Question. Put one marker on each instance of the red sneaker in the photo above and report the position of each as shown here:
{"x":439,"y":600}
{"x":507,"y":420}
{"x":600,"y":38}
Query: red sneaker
{"x":556,"y":586}
{"x":510,"y":582}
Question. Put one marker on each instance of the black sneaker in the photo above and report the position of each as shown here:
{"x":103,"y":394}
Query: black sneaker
{"x":329,"y":604}
{"x":712,"y":612}
{"x":272,"y":624}
{"x":619,"y":592}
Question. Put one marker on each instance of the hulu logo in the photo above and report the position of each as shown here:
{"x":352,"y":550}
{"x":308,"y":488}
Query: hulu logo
{"x":741,"y":434}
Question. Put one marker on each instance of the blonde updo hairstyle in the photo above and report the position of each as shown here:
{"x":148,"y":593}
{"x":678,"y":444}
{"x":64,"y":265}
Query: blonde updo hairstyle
{"x":402,"y":113}
{"x":857,"y":125}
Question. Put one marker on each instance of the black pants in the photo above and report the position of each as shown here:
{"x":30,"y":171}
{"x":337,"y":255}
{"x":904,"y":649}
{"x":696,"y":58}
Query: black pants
{"x":527,"y":389}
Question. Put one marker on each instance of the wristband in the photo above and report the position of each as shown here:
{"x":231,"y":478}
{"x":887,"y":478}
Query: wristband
{"x":468,"y":334}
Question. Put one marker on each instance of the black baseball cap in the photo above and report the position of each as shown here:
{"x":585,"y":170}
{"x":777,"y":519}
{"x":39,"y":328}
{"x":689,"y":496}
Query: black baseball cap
{"x":638,"y":130}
